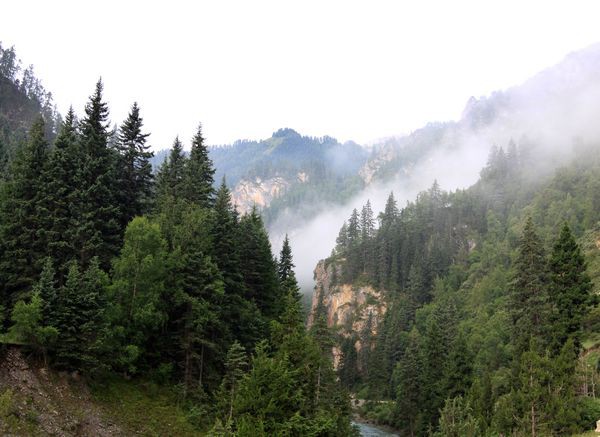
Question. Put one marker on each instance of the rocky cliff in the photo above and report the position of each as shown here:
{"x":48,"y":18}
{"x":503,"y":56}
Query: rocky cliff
{"x":348,"y":306}
{"x":261,"y":192}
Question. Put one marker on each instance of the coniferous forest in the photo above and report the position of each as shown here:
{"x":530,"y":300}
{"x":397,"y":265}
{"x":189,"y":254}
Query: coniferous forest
{"x":117,"y":273}
{"x":492,"y":321}
{"x":136,"y":298}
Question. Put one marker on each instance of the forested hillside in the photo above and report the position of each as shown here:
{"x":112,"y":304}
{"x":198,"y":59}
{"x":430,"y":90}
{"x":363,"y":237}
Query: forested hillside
{"x":491,"y":295}
{"x":132,"y":278}
{"x":23,"y":99}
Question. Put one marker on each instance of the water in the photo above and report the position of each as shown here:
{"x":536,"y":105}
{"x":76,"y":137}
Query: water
{"x":372,"y":431}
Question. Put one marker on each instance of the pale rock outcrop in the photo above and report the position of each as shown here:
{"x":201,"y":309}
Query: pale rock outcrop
{"x":348,"y":307}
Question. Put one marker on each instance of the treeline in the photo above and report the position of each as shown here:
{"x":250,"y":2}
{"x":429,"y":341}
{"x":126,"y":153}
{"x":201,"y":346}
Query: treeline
{"x":487,"y":294}
{"x":109,"y":269}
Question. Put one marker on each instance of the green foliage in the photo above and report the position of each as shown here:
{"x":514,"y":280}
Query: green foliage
{"x":27,"y":325}
{"x":570,"y":289}
{"x":134,"y":171}
{"x":21,"y":248}
{"x":135,"y":310}
{"x":199,"y":173}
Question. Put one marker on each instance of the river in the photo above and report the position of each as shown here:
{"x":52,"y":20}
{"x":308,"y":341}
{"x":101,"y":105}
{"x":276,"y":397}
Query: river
{"x":367,"y":430}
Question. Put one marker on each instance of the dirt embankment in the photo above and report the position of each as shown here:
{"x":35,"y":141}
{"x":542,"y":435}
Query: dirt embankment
{"x":36,"y":401}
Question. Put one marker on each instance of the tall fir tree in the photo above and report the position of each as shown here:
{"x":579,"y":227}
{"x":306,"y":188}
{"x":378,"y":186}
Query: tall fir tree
{"x":287,"y":276}
{"x":170,"y":177}
{"x":199,"y":173}
{"x":258,"y":267}
{"x":22,"y":236}
{"x":134,"y":170}
{"x":61,"y":195}
{"x":570,"y":290}
{"x":529,"y":306}
{"x":98,"y":230}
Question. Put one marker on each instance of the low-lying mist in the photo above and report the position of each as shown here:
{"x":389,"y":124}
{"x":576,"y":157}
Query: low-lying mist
{"x":546,"y":114}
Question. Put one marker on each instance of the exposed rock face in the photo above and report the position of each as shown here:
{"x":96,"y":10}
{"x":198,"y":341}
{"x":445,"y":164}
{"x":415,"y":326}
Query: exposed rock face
{"x":381,"y":156}
{"x":348,"y":307}
{"x":261,"y":192}
{"x":257,"y":192}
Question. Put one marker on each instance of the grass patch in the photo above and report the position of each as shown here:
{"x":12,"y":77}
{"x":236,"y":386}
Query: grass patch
{"x":144,"y":408}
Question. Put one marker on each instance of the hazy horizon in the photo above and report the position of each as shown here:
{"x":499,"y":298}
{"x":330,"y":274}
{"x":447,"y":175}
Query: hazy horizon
{"x":340,"y":69}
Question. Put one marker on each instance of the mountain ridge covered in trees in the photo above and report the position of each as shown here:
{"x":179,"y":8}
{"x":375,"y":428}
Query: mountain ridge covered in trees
{"x":490,"y":300}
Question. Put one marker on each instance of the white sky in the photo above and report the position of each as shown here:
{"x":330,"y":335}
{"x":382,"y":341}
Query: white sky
{"x":349,"y":69}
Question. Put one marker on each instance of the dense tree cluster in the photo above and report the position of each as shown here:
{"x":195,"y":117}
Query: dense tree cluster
{"x":487,"y":293}
{"x":108,"y":269}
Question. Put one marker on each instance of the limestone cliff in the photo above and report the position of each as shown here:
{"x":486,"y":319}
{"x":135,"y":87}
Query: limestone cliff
{"x":348,"y":306}
{"x":261,"y":192}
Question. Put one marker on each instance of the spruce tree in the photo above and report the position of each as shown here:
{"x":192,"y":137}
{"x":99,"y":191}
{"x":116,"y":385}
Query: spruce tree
{"x":134,"y":171}
{"x":570,"y":289}
{"x":98,"y":231}
{"x":529,"y":307}
{"x":258,"y":267}
{"x":170,"y":178}
{"x":61,"y":195}
{"x":22,"y":236}
{"x":410,"y":388}
{"x":199,"y":173}
{"x":242,"y":315}
{"x":287,"y":276}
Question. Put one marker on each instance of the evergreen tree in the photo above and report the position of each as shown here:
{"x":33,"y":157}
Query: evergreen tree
{"x":286,"y":274}
{"x":134,"y":176}
{"x":258,"y":267}
{"x":243,"y":315}
{"x":199,"y":173}
{"x":170,"y":178}
{"x":46,"y":288}
{"x":197,"y":325}
{"x":570,"y":289}
{"x":79,"y":317}
{"x":22,"y":238}
{"x":409,"y":392}
{"x":98,"y":232}
{"x":235,"y":365}
{"x":62,"y":196}
{"x":367,"y":223}
{"x":342,"y":239}
{"x":529,"y":298}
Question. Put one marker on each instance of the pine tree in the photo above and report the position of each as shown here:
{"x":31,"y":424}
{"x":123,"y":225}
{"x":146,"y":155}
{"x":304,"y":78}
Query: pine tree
{"x":242,"y":315}
{"x":570,"y":289}
{"x":287,"y":276}
{"x":258,"y":267}
{"x":235,"y":365}
{"x":134,"y":171}
{"x":79,"y":315}
{"x":529,"y":298}
{"x":342,"y":239}
{"x":61,"y":195}
{"x":409,"y":392}
{"x":197,"y":324}
{"x":199,"y":173}
{"x":170,"y":178}
{"x":46,"y":288}
{"x":367,"y":223}
{"x":99,"y":231}
{"x":22,"y":238}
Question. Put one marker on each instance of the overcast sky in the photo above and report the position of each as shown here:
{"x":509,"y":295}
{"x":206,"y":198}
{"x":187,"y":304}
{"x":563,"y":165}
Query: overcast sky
{"x":352,"y":70}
